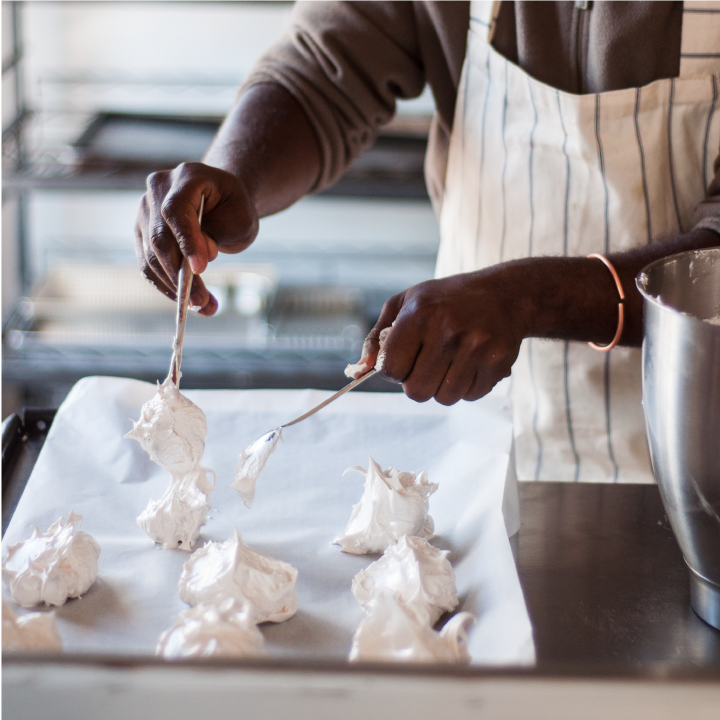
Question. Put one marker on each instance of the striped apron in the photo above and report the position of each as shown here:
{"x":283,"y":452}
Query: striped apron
{"x":536,"y":171}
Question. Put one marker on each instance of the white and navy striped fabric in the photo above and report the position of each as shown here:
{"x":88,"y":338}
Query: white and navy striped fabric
{"x":700,"y":45}
{"x":536,"y":171}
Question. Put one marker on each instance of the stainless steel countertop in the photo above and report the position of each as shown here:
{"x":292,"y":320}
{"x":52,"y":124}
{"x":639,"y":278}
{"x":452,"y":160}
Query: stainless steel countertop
{"x":605,"y":583}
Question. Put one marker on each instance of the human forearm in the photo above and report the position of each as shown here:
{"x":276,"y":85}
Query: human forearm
{"x":267,"y":142}
{"x":456,"y":337}
{"x":576,"y":298}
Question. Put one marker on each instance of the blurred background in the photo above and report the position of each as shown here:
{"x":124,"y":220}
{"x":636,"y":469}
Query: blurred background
{"x":96,"y":95}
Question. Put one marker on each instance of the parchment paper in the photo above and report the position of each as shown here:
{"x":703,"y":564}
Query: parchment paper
{"x":302,"y":503}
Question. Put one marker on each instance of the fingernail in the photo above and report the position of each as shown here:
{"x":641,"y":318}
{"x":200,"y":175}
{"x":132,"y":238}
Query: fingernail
{"x":197,"y":300}
{"x":195,"y":265}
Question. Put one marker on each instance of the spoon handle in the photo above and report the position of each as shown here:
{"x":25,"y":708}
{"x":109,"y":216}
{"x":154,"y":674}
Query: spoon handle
{"x":347,"y":388}
{"x":185,"y":278}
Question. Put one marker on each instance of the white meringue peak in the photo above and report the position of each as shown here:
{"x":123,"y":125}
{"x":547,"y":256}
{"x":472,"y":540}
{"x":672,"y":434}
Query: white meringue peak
{"x":252,"y":461}
{"x":231,"y":569}
{"x":418,"y":575}
{"x":175,"y":520}
{"x":394,"y":503}
{"x":391,"y":633}
{"x":227,"y":630}
{"x":172,"y":430}
{"x":33,"y":632}
{"x":53,"y":566}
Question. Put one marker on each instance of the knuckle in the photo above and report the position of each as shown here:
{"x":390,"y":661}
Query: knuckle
{"x":160,"y":237}
{"x":445,"y":398}
{"x":476,"y":344}
{"x":153,"y":263}
{"x":482,"y":388}
{"x":419,"y":395}
{"x":156,"y":183}
{"x":452,"y":334}
{"x":418,"y":303}
{"x":170,"y":204}
{"x":389,"y":308}
{"x":390,"y":373}
{"x":188,"y":167}
{"x":138,"y":233}
{"x":449,"y":392}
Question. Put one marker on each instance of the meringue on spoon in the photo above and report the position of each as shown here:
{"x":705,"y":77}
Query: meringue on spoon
{"x":172,"y":430}
{"x":255,"y":456}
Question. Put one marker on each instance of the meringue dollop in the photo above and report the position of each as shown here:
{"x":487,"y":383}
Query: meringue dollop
{"x":252,"y":461}
{"x":418,"y":575}
{"x":390,"y":632}
{"x":231,"y":569}
{"x":227,"y":630}
{"x":28,"y":633}
{"x":175,"y":520}
{"x":53,"y":566}
{"x":394,"y":503}
{"x":172,"y":430}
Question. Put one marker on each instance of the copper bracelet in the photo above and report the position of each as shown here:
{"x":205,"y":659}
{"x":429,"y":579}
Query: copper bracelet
{"x":621,"y":305}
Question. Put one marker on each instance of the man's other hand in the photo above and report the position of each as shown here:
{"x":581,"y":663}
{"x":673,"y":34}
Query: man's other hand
{"x":451,"y":339}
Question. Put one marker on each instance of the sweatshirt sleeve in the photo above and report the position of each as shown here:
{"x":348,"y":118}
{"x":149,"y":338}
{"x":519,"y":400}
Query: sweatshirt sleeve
{"x":707,"y":213}
{"x":346,"y":63}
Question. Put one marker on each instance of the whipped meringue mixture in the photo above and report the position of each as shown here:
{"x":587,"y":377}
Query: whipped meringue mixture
{"x":175,"y":520}
{"x":172,"y":430}
{"x":252,"y":461}
{"x":391,"y":633}
{"x":394,"y":503}
{"x":418,"y":575}
{"x":30,"y":633}
{"x":359,"y":368}
{"x":227,"y":630}
{"x":362,"y":366}
{"x":53,"y":566}
{"x":231,"y":569}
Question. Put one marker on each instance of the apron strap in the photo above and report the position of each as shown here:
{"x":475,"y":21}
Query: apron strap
{"x":484,"y":13}
{"x":700,"y":43}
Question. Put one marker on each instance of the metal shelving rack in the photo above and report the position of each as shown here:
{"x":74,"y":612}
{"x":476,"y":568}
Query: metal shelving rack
{"x":392,"y":169}
{"x":14,"y":149}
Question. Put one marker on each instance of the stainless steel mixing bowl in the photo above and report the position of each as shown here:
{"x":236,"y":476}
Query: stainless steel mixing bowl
{"x":681,"y":399}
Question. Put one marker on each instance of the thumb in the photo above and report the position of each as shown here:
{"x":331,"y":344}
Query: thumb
{"x":376,"y":337}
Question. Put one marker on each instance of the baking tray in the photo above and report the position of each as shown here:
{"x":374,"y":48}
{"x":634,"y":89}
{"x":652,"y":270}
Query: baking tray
{"x":23,"y":435}
{"x":592,"y":656}
{"x":86,"y":467}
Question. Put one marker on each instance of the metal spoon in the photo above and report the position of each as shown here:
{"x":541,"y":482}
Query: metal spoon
{"x":185,"y":278}
{"x":254,"y":457}
{"x":332,"y":398}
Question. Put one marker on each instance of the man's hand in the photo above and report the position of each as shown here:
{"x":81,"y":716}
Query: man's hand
{"x":455,"y":338}
{"x":167,"y":227}
{"x":264,"y":158}
{"x":451,"y":339}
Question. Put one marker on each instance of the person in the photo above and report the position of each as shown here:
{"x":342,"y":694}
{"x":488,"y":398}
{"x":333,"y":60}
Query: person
{"x":562,"y":130}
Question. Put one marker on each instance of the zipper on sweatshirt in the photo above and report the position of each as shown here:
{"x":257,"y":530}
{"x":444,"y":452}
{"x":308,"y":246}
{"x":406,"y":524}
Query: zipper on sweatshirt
{"x":581,"y":26}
